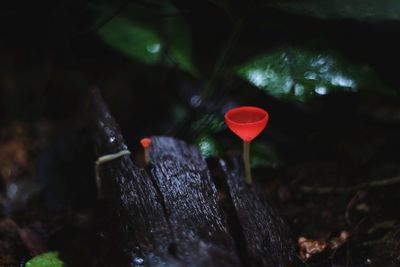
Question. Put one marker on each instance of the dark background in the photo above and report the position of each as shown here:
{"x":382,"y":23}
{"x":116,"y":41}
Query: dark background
{"x":174,"y":68}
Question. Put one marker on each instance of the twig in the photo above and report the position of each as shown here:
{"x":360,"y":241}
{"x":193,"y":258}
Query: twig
{"x":372,"y":184}
{"x":356,"y":198}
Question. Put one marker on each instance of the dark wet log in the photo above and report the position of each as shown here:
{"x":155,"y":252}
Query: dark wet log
{"x":174,"y":221}
{"x":267,"y":239}
{"x":170,"y":215}
{"x":191,"y":202}
{"x":145,"y":232}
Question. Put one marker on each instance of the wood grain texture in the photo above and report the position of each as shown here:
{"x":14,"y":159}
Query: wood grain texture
{"x":145,"y":231}
{"x":267,"y":238}
{"x":191,"y":202}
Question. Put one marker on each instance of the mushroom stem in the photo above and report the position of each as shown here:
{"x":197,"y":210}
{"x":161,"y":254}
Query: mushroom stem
{"x":147,"y":155}
{"x":246,"y":159}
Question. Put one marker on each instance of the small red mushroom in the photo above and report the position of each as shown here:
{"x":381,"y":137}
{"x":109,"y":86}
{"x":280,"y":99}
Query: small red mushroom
{"x":247,"y":123}
{"x":146,"y":142}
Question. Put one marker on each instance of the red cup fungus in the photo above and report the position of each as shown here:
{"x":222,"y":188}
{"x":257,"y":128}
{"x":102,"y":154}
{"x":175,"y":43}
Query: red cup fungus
{"x":146,"y":143}
{"x":247,"y":122}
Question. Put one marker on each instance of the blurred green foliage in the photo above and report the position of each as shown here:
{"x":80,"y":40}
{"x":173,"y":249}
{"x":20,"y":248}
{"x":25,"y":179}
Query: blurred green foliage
{"x":151,"y":39}
{"x":49,"y":259}
{"x":208,"y":146}
{"x":291,"y":73}
{"x":208,"y":123}
{"x":263,"y":155}
{"x":137,"y":41}
{"x":300,"y":74}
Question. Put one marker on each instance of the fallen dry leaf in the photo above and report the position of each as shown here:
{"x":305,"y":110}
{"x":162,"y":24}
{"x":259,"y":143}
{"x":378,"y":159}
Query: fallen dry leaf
{"x":309,"y":247}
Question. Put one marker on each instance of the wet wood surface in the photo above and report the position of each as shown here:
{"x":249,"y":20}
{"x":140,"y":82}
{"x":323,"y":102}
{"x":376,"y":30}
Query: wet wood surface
{"x":191,"y":204}
{"x":138,"y":205}
{"x":171,"y":213}
{"x":268,"y":241}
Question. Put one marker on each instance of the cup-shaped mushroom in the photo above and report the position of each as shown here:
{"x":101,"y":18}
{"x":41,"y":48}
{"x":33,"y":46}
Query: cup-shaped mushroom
{"x":146,"y":142}
{"x":247,"y":122}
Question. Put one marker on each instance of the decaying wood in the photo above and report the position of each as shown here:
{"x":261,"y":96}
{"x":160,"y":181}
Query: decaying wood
{"x":191,"y":203}
{"x":170,"y":214}
{"x":146,"y":233}
{"x":267,"y":238}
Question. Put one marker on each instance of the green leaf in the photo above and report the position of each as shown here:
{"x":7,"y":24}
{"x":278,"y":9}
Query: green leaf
{"x":366,"y":10}
{"x":137,"y":41}
{"x":148,"y":39}
{"x":49,"y":259}
{"x":301,"y":74}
